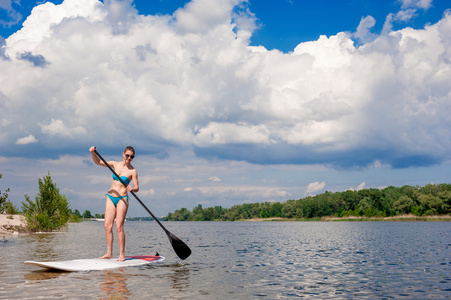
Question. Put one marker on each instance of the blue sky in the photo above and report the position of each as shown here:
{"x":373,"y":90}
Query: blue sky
{"x":282,"y":24}
{"x":226,"y":102}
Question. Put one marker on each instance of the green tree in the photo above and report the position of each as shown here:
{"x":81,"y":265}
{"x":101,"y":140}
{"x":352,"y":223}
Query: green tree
{"x":289,"y":209}
{"x":3,"y":198}
{"x":390,"y":195}
{"x":87,"y":214}
{"x":209,"y":214}
{"x":351,"y":200}
{"x":403,"y":205}
{"x":49,"y":211}
{"x":432,"y":205}
{"x":446,"y":198}
{"x":198,"y":213}
{"x":264,"y":213}
{"x":77,"y":213}
{"x":275,"y":209}
{"x":430,"y":199}
{"x":10,"y":209}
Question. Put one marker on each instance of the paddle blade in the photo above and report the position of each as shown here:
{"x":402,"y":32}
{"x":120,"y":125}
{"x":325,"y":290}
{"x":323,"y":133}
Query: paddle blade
{"x":180,"y":248}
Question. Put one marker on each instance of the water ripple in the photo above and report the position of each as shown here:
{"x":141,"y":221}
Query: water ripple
{"x":242,"y":260}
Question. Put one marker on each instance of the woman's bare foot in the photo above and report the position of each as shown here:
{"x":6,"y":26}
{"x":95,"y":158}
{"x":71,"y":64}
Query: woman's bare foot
{"x":121,"y":258}
{"x":106,"y":256}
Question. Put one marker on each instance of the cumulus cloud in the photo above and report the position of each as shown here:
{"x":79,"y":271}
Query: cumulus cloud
{"x":363,"y":33}
{"x":409,"y":10}
{"x":58,"y":128}
{"x":224,"y":133}
{"x":214,"y":178}
{"x":26,"y":140}
{"x":202,"y":15}
{"x":359,"y":187}
{"x":315,"y":187}
{"x":423,"y":4}
{"x":275,"y":193}
{"x":191,"y":80}
{"x":402,"y":16}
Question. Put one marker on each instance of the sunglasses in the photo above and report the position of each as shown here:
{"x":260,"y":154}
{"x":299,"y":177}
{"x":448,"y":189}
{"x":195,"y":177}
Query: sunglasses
{"x":127,"y":156}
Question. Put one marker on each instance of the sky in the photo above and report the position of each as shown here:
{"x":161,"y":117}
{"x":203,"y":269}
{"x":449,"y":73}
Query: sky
{"x":225,"y":101}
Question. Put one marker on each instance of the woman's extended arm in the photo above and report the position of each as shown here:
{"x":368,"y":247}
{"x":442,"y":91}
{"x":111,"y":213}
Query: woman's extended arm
{"x":135,"y":188}
{"x":97,"y":160}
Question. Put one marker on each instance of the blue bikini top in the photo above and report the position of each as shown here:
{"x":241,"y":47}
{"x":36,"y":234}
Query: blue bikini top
{"x":124,"y":178}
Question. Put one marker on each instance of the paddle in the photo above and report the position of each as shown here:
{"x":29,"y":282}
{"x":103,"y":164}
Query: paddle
{"x":180,"y":248}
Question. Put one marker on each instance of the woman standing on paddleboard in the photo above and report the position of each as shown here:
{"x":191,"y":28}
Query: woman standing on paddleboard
{"x":117,"y":198}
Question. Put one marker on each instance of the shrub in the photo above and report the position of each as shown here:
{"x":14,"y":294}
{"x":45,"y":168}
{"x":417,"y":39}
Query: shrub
{"x":49,"y":211}
{"x":3,"y":198}
{"x":10,"y":209}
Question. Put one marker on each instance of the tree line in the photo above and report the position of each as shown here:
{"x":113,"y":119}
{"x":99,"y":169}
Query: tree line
{"x":431,"y":199}
{"x":50,"y":210}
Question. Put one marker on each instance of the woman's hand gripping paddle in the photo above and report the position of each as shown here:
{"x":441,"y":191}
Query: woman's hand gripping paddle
{"x":180,"y":248}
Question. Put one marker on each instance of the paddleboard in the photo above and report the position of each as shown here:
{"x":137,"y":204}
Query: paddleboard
{"x":95,"y":264}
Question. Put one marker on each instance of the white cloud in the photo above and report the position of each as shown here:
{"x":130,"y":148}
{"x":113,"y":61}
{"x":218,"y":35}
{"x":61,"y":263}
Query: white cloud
{"x":361,"y":186}
{"x":400,"y":17}
{"x":147,"y":193}
{"x":275,"y":192}
{"x":214,"y":178}
{"x":423,"y":4}
{"x":315,"y":187}
{"x":39,"y":25}
{"x":363,"y":32}
{"x":26,"y":140}
{"x":225,"y":133}
{"x":202,"y":15}
{"x":191,"y":80}
{"x":58,"y":128}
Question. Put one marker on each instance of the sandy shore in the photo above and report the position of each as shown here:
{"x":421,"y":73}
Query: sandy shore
{"x":12,"y":225}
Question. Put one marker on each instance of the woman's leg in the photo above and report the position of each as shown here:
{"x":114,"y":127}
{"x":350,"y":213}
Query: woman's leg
{"x":110,"y":215}
{"x":122,"y":208}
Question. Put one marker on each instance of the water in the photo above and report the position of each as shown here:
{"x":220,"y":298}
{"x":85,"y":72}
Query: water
{"x":241,"y":260}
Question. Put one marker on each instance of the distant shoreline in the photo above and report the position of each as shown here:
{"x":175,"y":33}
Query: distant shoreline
{"x":399,"y":218}
{"x":14,"y":225}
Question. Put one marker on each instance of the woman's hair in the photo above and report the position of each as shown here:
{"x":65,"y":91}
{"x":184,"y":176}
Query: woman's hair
{"x":130,"y":148}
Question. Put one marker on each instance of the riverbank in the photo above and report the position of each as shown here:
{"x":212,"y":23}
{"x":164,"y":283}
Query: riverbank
{"x":399,"y":218}
{"x":361,"y":218}
{"x":11,"y":225}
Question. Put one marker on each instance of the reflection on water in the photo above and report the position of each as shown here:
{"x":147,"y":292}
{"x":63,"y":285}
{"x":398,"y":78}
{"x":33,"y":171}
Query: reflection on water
{"x":179,"y":278}
{"x":114,"y":284}
{"x":38,"y":276}
{"x":45,"y":246}
{"x":242,"y":260}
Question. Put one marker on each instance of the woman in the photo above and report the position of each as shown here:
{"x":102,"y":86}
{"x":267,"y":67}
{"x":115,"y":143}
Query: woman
{"x":117,"y":198}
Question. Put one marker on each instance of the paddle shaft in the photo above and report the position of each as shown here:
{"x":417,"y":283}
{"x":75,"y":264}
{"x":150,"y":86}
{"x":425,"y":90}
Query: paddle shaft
{"x":180,"y":248}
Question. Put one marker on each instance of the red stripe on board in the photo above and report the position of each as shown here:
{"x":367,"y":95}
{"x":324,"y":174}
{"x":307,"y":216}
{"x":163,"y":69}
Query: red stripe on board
{"x":144,"y":257}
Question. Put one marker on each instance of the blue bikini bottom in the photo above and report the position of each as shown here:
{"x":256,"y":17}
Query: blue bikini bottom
{"x":116,"y":200}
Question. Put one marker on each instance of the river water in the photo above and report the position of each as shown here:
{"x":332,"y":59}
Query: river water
{"x":241,"y":260}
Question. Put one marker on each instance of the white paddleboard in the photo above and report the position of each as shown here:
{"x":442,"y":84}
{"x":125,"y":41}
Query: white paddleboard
{"x":95,"y":264}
